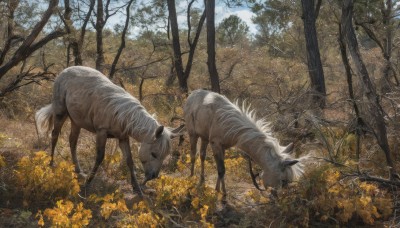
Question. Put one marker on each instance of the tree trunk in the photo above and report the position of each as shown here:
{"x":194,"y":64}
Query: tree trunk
{"x":211,"y":61}
{"x":377,"y":122}
{"x":193,"y":44}
{"x":176,"y":46}
{"x":315,"y":69}
{"x":99,"y":36}
{"x":71,"y":38}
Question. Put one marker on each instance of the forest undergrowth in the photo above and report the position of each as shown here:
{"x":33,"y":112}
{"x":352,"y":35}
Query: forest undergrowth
{"x":34,"y":194}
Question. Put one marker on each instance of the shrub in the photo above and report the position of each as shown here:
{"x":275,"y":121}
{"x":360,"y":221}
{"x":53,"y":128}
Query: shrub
{"x":66,"y":214}
{"x":193,"y":201}
{"x":324,"y":196}
{"x":40,"y":182}
{"x":113,"y":202}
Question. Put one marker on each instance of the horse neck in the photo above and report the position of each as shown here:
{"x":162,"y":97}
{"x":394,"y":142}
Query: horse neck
{"x":261,"y":150}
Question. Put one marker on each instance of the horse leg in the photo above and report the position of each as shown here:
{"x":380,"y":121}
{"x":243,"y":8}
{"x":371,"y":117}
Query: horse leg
{"x":126,"y":150}
{"x":219,"y":156}
{"x":193,"y":151}
{"x":59,"y":120}
{"x":73,"y":140}
{"x":101,"y":139}
{"x":203,"y":150}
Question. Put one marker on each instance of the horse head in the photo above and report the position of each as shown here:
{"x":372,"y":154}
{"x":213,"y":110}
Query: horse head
{"x":283,"y":172}
{"x":152,"y":153}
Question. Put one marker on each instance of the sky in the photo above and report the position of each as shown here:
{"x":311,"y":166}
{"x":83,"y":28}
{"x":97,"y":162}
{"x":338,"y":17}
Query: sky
{"x":221,"y":12}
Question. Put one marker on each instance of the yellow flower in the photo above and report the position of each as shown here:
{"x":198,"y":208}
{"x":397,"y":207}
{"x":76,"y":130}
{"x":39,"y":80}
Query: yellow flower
{"x":195,"y":202}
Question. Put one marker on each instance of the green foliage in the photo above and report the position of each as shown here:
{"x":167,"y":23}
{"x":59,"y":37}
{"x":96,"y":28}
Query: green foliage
{"x":273,"y":18}
{"x":232,"y":30}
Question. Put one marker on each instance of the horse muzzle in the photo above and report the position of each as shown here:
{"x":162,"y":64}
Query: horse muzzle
{"x":150,"y":176}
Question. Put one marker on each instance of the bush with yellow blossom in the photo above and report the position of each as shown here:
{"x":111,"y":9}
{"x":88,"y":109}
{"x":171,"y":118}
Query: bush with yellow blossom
{"x":324,"y":196}
{"x":40,"y":182}
{"x":66,"y":214}
{"x":192,"y":200}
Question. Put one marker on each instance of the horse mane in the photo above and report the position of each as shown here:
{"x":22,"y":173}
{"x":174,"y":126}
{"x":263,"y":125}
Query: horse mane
{"x":241,"y":122}
{"x":133,"y":118}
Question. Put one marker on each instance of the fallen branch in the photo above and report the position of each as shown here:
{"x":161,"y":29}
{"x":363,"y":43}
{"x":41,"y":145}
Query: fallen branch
{"x":366,"y":177}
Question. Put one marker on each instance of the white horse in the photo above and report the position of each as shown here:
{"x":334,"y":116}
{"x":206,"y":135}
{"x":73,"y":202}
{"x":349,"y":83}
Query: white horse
{"x":94,"y":103}
{"x":217,"y":121}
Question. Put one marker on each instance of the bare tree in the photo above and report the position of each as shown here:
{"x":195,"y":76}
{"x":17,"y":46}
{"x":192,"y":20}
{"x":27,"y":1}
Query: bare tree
{"x":123,"y":36}
{"x":24,"y":46}
{"x":103,"y":13}
{"x":383,"y":34}
{"x":76,"y":39}
{"x":376,"y":121}
{"x":183,"y":74}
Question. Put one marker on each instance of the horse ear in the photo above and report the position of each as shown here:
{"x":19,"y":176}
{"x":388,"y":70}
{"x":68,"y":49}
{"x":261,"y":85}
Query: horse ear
{"x":288,"y":163}
{"x":159,"y":132}
{"x":178,"y":131}
{"x":288,"y":149}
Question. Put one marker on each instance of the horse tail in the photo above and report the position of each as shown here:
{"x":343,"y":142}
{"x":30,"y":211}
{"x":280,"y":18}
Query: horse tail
{"x":44,"y":120}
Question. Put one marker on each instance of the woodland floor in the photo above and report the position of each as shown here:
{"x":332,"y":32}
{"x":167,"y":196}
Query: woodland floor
{"x":21,"y":139}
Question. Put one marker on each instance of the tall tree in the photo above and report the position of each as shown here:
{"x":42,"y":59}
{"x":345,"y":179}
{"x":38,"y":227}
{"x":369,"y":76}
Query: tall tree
{"x":176,"y":46}
{"x":232,"y":30}
{"x":273,"y":18}
{"x":211,"y":61}
{"x":376,"y":120}
{"x":315,"y":69}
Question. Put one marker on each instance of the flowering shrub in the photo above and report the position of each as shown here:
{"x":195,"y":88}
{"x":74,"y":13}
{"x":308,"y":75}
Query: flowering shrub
{"x":352,"y":199}
{"x":66,"y":214}
{"x":326,"y":197}
{"x":185,"y":194}
{"x":39,"y":181}
{"x":142,"y":216}
{"x":110,"y":203}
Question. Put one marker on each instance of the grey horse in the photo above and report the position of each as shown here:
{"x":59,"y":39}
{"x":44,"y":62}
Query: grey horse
{"x":94,"y":103}
{"x":217,"y":121}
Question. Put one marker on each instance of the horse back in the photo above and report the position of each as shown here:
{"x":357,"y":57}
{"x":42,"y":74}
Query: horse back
{"x":84,"y":94}
{"x":201,"y":113}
